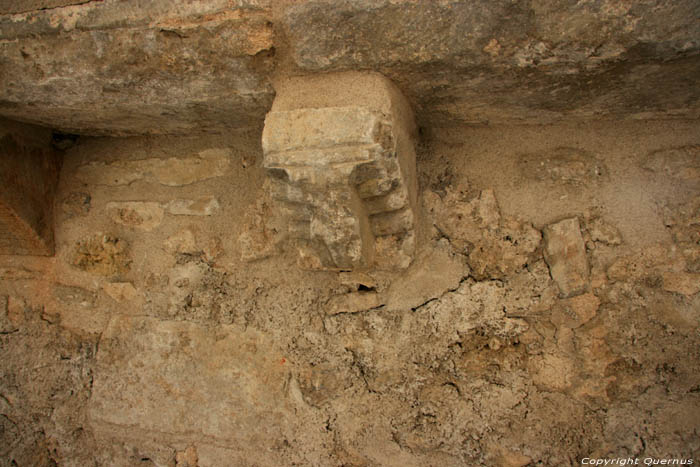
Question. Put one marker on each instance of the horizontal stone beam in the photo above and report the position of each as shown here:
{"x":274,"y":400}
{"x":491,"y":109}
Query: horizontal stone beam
{"x":164,"y":67}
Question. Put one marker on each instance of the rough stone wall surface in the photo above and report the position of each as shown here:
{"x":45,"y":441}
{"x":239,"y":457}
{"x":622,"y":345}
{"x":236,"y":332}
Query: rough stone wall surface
{"x":131,"y":67}
{"x":172,"y":328}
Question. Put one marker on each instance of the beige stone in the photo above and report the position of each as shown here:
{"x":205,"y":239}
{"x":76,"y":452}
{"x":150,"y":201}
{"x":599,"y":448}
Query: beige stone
{"x":120,"y":291}
{"x":432,"y":274}
{"x":603,"y":232}
{"x":496,"y":247}
{"x":105,"y":255}
{"x":343,"y":164}
{"x":354,"y":302}
{"x":174,"y":171}
{"x":552,"y":372}
{"x":576,"y":311}
{"x":193,"y":207}
{"x":142,"y":215}
{"x":178,"y":378}
{"x":181,"y":242}
{"x":565,"y":254}
{"x":685,"y":283}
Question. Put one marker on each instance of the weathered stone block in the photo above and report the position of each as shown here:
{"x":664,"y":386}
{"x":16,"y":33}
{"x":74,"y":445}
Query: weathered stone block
{"x":339,"y":153}
{"x":565,"y":254}
{"x":28,"y":178}
{"x":176,"y":379}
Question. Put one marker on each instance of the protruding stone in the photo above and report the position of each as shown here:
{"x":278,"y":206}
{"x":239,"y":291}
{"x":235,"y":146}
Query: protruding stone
{"x":102,"y":254}
{"x":433,"y":274}
{"x":28,"y":178}
{"x":576,"y":311}
{"x":340,"y":157}
{"x":565,"y":254}
{"x":140,"y":215}
{"x":120,"y":291}
{"x":354,"y":302}
{"x":603,"y":232}
{"x":193,"y":207}
{"x":686,"y":283}
{"x":174,"y":171}
{"x":182,"y":242}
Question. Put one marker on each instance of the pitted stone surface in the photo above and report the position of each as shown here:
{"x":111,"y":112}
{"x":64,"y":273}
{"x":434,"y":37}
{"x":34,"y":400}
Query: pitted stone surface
{"x":565,"y":254}
{"x":345,"y":174}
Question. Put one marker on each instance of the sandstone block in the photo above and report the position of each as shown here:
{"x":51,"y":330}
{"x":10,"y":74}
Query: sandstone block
{"x":576,"y":311}
{"x":28,"y":178}
{"x":431,"y":276}
{"x":141,"y":215}
{"x":221,"y":384}
{"x":339,"y":153}
{"x":682,"y":163}
{"x":603,"y":232}
{"x":686,"y":283}
{"x":102,"y":254}
{"x":354,"y":302}
{"x":120,"y":291}
{"x":173,"y":171}
{"x":565,"y":254}
{"x":193,"y":207}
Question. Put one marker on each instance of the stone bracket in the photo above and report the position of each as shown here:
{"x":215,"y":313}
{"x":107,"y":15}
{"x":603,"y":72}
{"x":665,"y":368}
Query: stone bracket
{"x":339,"y":154}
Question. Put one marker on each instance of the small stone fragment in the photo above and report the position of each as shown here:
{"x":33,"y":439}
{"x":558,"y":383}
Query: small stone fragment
{"x":603,"y":232}
{"x":182,"y":242}
{"x":430,"y":276}
{"x":77,"y":203}
{"x":187,"y":458}
{"x":552,"y":372}
{"x":320,"y":383}
{"x":213,"y":249}
{"x":565,"y":254}
{"x":514,"y":459}
{"x":102,"y":254}
{"x":496,"y":247}
{"x":74,"y":296}
{"x":260,"y":237}
{"x":174,"y":171}
{"x":17,"y":274}
{"x":136,"y":214}
{"x":353,"y":302}
{"x":576,"y":311}
{"x":120,"y":291}
{"x":685,"y":283}
{"x":681,"y":163}
{"x":193,"y":207}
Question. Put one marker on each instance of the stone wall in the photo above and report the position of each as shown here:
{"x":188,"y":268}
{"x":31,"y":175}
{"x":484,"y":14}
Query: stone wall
{"x":551,"y":312}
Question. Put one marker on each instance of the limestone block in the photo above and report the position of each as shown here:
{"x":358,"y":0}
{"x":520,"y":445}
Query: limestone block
{"x":178,"y":379}
{"x":174,"y":171}
{"x":341,"y":162}
{"x":28,"y":178}
{"x":565,"y":254}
